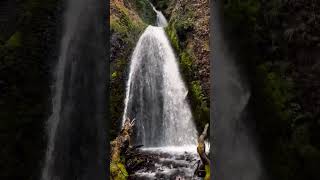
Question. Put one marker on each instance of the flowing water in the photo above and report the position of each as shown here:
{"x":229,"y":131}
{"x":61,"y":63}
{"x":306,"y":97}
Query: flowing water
{"x":156,"y":94}
{"x":75,"y":128}
{"x":156,"y":98}
{"x":161,"y":20}
{"x":169,"y":163}
{"x":235,"y":154}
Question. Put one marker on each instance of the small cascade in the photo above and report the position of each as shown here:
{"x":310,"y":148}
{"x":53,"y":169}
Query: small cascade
{"x":161,"y":20}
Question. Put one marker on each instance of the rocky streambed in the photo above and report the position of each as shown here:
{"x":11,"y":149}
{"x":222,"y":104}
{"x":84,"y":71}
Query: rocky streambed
{"x":163,"y":163}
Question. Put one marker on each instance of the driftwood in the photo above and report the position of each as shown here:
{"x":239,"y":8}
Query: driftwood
{"x":201,"y":149}
{"x":119,"y":146}
{"x":122,"y":142}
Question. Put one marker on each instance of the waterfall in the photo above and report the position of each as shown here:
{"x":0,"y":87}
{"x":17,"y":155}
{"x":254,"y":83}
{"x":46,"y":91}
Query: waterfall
{"x":75,"y":131}
{"x":161,"y":20}
{"x":236,"y":156}
{"x":156,"y":94}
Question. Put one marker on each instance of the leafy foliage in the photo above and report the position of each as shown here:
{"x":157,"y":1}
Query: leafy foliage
{"x":145,"y":11}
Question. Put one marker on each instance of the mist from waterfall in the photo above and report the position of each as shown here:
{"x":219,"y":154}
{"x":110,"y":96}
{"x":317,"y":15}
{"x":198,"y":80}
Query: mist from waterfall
{"x":156,"y":94}
{"x":76,"y":140}
{"x":235,"y":153}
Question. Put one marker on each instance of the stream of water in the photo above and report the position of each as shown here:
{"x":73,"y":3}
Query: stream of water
{"x":76,"y":139}
{"x":156,"y":94}
{"x":156,"y":98}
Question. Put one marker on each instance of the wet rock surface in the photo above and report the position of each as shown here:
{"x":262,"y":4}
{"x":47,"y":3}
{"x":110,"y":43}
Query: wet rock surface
{"x":151,"y":163}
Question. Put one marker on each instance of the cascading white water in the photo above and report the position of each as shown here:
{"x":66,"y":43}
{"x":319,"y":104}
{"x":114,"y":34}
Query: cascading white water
{"x":161,"y":20}
{"x":156,"y":94}
{"x":156,"y":98}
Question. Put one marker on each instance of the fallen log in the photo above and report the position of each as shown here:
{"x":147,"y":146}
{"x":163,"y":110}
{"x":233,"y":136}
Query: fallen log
{"x":118,"y":148}
{"x":122,"y":142}
{"x":205,"y":161}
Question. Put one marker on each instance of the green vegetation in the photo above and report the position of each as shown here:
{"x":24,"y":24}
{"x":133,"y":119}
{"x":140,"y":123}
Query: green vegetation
{"x":118,"y":171}
{"x":178,"y":27}
{"x":125,"y":27}
{"x":207,"y":169}
{"x":269,"y":38}
{"x":161,"y":4}
{"x":145,"y":11}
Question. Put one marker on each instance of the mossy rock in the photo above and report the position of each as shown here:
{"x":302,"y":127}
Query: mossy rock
{"x":118,"y":171}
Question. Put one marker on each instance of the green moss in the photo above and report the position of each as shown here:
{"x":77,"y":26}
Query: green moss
{"x":115,"y":26}
{"x":207,"y":169}
{"x":197,"y":90}
{"x":126,"y":26}
{"x":172,"y":34}
{"x":145,"y":11}
{"x":118,"y":171}
{"x":114,"y":75}
{"x":200,"y":108}
{"x":123,"y":22}
{"x":186,"y":62}
{"x":14,"y":40}
{"x":277,"y":90}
